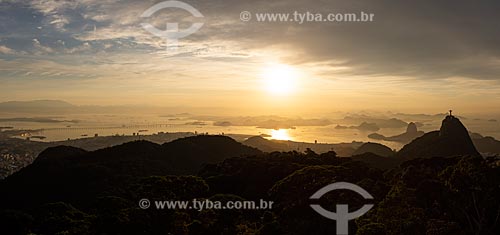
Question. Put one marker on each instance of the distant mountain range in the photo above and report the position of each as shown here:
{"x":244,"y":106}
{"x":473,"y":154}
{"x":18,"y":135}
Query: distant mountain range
{"x":410,"y":134}
{"x":381,"y":122}
{"x":486,"y":144}
{"x":56,"y":107}
{"x":34,"y":105}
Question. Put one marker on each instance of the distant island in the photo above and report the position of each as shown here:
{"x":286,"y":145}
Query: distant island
{"x":362,"y":127}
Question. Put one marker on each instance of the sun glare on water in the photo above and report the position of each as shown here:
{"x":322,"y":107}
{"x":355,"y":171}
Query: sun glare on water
{"x":280,"y":79}
{"x":280,"y":134}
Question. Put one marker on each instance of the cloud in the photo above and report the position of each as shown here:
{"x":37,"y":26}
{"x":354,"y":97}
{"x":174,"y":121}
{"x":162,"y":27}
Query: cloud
{"x":412,"y":41}
{"x":82,"y":48}
{"x":41,"y":49}
{"x":59,"y":21}
{"x":6,"y":50}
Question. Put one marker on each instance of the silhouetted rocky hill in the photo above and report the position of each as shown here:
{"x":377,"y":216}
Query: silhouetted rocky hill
{"x":70,"y":191}
{"x":265,"y":144}
{"x":451,"y":140}
{"x":72,"y":174}
{"x":59,"y":153}
{"x":376,"y":148}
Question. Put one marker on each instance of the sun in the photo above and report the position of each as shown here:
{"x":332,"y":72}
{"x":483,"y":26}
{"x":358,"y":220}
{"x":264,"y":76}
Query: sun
{"x":279,"y":79}
{"x":280,"y":134}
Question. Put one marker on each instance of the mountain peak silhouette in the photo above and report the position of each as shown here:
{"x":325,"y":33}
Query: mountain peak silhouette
{"x":451,"y":126}
{"x":451,"y":140}
{"x":412,"y":128}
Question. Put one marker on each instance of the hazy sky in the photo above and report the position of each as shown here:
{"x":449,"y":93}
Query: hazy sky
{"x":418,"y":56}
